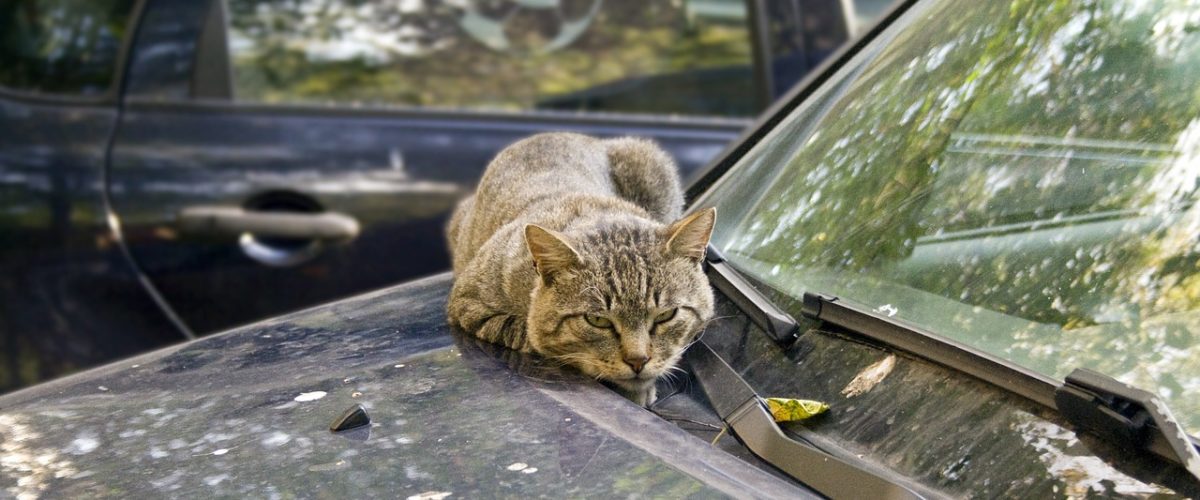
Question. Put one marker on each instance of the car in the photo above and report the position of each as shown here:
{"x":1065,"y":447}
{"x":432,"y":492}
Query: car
{"x":172,"y":168}
{"x":967,"y":235}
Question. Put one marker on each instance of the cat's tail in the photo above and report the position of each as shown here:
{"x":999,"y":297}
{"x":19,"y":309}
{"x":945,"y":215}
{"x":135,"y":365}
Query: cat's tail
{"x":646,"y":175}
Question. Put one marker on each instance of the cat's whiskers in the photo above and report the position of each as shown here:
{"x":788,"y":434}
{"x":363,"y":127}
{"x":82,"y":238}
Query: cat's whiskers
{"x":581,"y":361}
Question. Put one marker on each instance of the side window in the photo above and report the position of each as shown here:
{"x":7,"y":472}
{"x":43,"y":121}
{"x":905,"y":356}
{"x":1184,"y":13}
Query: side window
{"x":61,"y":46}
{"x":641,"y":56}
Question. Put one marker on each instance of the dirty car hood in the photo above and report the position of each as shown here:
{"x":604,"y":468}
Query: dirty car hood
{"x":247,"y":413}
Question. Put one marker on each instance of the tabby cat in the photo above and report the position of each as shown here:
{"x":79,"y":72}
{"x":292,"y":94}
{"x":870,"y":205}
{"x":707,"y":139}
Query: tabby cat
{"x":570,"y":248}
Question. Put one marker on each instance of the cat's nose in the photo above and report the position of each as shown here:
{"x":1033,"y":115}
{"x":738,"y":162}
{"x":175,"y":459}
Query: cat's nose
{"x":636,"y":362}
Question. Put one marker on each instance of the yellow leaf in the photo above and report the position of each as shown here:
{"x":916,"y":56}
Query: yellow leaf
{"x":791,"y":410}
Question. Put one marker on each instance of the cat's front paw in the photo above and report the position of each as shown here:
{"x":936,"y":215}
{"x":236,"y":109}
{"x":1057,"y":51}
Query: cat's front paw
{"x":641,"y":392}
{"x":646,"y":396}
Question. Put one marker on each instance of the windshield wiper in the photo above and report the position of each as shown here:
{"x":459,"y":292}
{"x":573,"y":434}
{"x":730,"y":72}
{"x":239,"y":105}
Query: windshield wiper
{"x":1119,"y":413}
{"x":747,"y":418}
{"x":778,"y":324}
{"x":1130,"y":417}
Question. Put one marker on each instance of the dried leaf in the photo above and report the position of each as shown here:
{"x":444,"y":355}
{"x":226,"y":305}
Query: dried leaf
{"x":791,"y":410}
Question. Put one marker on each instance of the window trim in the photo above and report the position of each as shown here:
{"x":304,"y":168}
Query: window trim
{"x":212,"y":68}
{"x":680,"y":122}
{"x":212,"y":45}
{"x":116,"y":85}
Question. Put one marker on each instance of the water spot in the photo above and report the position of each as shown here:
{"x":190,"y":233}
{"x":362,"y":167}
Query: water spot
{"x":82,"y":445}
{"x":215,"y":480}
{"x":888,"y":309}
{"x":412,"y":472}
{"x":530,"y":470}
{"x":517,"y":466}
{"x":404,"y":440}
{"x":430,"y":495}
{"x":417,"y":386}
{"x":102,"y":388}
{"x":305,"y":397}
{"x":157,"y":452}
{"x":220,"y":452}
{"x":356,"y":394}
{"x":401,"y":365}
{"x":332,"y":466}
{"x":276,"y":439}
{"x":81,"y":475}
{"x":568,"y":419}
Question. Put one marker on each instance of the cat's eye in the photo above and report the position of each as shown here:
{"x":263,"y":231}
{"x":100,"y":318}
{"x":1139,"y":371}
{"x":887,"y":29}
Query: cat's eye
{"x":665,"y":316}
{"x":598,"y":321}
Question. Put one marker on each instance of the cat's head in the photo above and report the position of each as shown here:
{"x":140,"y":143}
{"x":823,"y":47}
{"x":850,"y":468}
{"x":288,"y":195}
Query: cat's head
{"x":620,"y":301}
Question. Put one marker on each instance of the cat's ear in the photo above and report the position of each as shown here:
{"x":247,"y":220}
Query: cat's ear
{"x":689,"y":236}
{"x":550,"y":250}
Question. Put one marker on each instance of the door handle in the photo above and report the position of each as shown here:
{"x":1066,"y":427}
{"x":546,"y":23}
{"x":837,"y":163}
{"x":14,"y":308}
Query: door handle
{"x":294,"y":225}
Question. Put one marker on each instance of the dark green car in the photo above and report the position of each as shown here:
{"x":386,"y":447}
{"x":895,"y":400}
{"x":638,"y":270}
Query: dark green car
{"x":973,"y":235}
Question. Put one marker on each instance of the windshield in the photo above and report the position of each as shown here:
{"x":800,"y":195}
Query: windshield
{"x":1019,"y":176}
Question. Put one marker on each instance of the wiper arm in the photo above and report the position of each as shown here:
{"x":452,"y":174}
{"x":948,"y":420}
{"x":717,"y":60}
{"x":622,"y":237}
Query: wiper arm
{"x":747,"y":418}
{"x":1117,"y":412}
{"x":778,"y":324}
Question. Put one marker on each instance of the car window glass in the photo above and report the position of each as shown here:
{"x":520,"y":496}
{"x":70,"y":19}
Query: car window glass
{"x":656,"y":56}
{"x":1022,"y":178}
{"x":61,"y":46}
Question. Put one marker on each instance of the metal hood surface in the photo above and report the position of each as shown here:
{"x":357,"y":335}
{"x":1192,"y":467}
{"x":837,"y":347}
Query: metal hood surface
{"x":247,"y":413}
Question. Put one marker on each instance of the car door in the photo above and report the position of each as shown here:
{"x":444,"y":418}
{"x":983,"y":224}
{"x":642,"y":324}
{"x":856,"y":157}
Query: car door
{"x":68,"y":296}
{"x":365,"y":122}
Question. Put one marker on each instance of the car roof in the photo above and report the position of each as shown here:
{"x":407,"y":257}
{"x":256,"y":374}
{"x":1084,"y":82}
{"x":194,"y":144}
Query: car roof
{"x":248,"y":412}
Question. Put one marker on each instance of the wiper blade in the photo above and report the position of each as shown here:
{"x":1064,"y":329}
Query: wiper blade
{"x":1120,"y":413}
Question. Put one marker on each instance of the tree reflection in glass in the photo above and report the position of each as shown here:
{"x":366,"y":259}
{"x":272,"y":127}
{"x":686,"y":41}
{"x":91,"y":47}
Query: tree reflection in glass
{"x":1017,"y":175}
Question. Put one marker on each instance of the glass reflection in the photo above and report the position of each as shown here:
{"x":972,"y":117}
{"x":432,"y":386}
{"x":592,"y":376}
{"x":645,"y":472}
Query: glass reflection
{"x":1022,"y":178}
{"x":572,"y":55}
{"x":61,"y":46}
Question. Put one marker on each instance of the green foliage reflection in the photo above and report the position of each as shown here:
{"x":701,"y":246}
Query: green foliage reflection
{"x":1022,"y":177}
{"x":607,"y":55}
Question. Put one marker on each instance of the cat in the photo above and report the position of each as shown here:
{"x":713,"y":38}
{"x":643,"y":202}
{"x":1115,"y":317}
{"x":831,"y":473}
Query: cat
{"x":574,"y":248}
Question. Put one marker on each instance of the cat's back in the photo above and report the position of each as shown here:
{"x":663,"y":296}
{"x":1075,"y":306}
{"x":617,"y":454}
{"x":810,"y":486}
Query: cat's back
{"x":542,"y":169}
{"x":543,"y":165}
{"x":552,"y":179}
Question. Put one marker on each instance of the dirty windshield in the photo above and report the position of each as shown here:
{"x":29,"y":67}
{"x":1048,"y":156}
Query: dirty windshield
{"x":1022,"y":179}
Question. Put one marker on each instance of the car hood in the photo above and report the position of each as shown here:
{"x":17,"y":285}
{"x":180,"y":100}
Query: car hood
{"x":247,"y":412}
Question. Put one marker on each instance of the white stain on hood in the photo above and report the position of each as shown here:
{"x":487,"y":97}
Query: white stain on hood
{"x":305,"y":397}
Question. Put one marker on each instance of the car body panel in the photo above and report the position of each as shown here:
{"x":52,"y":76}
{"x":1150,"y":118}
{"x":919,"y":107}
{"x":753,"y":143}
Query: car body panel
{"x":247,"y":412}
{"x":63,"y":270}
{"x":70,"y":297}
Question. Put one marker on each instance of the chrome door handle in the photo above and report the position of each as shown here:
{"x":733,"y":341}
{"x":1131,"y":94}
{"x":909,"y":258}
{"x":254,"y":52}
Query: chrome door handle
{"x":295,"y":225}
